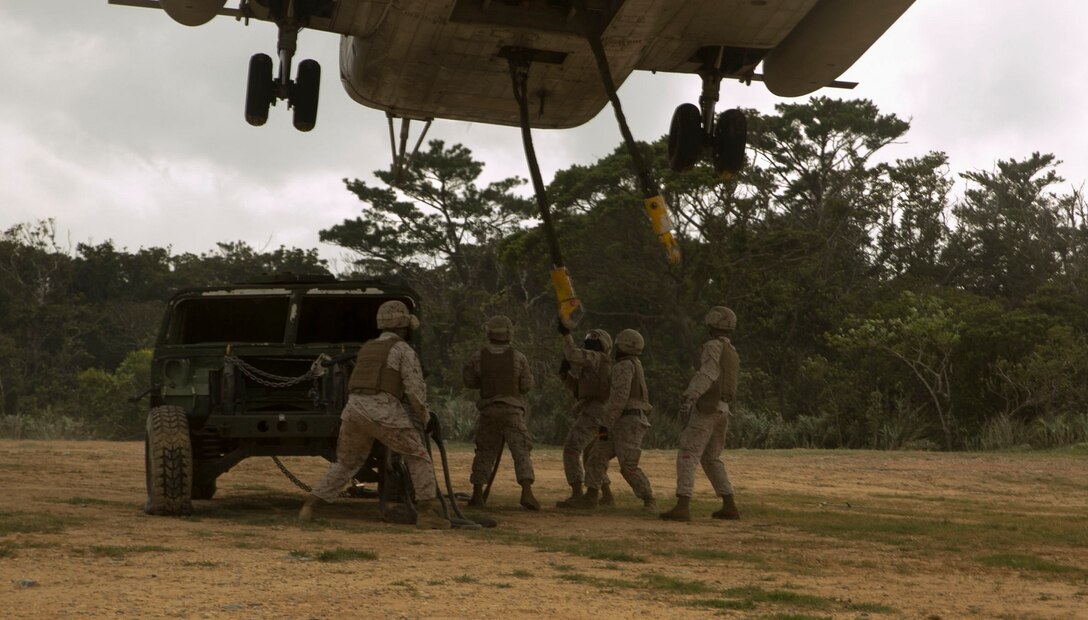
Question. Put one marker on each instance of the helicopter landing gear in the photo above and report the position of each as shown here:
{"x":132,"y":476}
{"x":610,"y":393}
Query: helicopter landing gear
{"x":301,"y":94}
{"x":695,"y":132}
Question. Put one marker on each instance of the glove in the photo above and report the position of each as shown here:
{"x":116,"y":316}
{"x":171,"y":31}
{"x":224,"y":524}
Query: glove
{"x":564,"y":367}
{"x":562,"y":328}
{"x":684,"y":414}
{"x":602,"y":433}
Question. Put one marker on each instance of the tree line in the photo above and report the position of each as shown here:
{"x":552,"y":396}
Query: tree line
{"x":876,"y":308}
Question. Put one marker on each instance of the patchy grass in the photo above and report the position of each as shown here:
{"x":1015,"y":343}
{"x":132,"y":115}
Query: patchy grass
{"x":721,"y":603}
{"x":912,"y":526}
{"x":1029,"y":563}
{"x":200,"y":564}
{"x":604,"y":583}
{"x":407,"y":585}
{"x":521,"y":574}
{"x":34,"y":523}
{"x":339,"y":554}
{"x":778,"y":597}
{"x":94,"y":501}
{"x":594,"y":549}
{"x":120,"y":551}
{"x":466,"y":579}
{"x":871,"y":608}
{"x":713,"y":554}
{"x":657,"y":581}
{"x":7,"y":550}
{"x":744,"y":598}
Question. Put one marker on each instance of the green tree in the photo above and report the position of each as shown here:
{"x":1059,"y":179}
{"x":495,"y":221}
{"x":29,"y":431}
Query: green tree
{"x":439,"y":230}
{"x":921,"y":334}
{"x":1008,"y":240}
{"x":104,"y":398}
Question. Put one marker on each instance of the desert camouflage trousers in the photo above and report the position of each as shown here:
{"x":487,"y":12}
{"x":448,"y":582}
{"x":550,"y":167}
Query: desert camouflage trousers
{"x":581,"y":436}
{"x":357,"y":435}
{"x":497,"y":422}
{"x":625,"y":443}
{"x":702,"y":440}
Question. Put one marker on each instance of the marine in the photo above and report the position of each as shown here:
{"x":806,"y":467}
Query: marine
{"x":586,"y":372}
{"x":387,"y":374}
{"x":502,"y":375}
{"x":623,"y":424}
{"x":705,"y":404}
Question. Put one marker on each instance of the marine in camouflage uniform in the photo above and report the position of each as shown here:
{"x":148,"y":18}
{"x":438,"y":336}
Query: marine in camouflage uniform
{"x":586,"y":372}
{"x":387,"y":373}
{"x":624,"y":420}
{"x":502,"y":375}
{"x":706,"y":405}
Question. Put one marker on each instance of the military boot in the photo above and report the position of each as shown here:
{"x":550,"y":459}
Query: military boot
{"x":589,"y":500}
{"x":606,"y":495}
{"x":729,"y":509}
{"x":575,"y":497}
{"x":429,"y":516}
{"x":477,"y":498}
{"x":527,"y":500}
{"x":649,"y":506}
{"x":306,"y":513}
{"x":680,"y":512}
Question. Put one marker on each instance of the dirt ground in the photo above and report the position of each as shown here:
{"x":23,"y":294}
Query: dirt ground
{"x":822,"y":534}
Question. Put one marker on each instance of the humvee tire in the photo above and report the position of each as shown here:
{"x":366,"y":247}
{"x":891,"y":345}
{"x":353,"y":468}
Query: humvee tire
{"x":168,"y":456}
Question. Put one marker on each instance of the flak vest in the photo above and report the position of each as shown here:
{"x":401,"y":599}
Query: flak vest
{"x":595,"y":384}
{"x":725,"y":386}
{"x":371,"y":374}
{"x":638,"y":392}
{"x":497,"y":377}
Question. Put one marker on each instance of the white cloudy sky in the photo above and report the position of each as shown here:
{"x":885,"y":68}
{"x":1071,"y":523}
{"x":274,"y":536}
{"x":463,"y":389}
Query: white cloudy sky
{"x":123,"y":125}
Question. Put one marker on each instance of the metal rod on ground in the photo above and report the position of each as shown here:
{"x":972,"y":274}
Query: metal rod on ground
{"x":453,"y":511}
{"x":654,"y":203}
{"x":495,"y":469}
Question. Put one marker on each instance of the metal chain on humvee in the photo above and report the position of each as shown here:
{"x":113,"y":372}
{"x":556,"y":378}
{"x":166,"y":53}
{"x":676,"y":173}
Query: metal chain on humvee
{"x":299,"y":483}
{"x":276,"y":381}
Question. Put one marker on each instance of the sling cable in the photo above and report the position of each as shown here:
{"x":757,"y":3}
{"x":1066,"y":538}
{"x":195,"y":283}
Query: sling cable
{"x":569,"y":306}
{"x":653,"y":201}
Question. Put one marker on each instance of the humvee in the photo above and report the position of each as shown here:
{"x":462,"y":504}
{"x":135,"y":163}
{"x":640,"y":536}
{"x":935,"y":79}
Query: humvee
{"x":244,"y":370}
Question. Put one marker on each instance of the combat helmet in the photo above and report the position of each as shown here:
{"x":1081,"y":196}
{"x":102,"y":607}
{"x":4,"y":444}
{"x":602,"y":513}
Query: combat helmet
{"x":602,"y":337}
{"x":394,"y":314}
{"x":721,"y":318}
{"x":629,"y":342}
{"x":499,"y":328}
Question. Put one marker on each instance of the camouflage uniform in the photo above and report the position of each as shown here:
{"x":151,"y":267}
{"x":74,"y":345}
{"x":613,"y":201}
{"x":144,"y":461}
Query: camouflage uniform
{"x":376,"y":414}
{"x":624,"y":415}
{"x":706,"y":407}
{"x":711,"y":390}
{"x":589,"y":380}
{"x":502,"y":375}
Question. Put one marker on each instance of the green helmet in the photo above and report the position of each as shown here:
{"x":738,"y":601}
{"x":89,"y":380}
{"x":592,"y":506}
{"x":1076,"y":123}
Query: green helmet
{"x":601,"y":336}
{"x":500,"y":328}
{"x":629,"y":342}
{"x":394,"y":314}
{"x":721,"y":318}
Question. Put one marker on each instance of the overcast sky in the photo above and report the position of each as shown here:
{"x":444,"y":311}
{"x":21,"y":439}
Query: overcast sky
{"x":123,"y":125}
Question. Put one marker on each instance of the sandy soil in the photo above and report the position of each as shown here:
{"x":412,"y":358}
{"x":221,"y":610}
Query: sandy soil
{"x":74,"y":542}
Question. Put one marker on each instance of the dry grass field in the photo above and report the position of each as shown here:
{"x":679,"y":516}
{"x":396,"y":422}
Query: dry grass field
{"x":822,"y":535}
